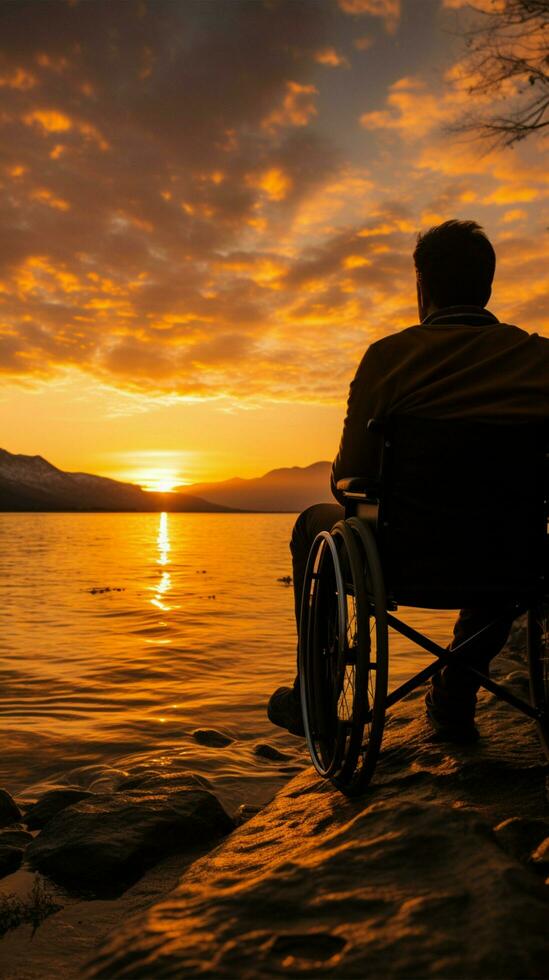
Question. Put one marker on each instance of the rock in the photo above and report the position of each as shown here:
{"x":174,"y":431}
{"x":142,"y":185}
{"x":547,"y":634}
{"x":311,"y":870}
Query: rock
{"x":161,"y":781}
{"x":540,"y":857}
{"x":10,"y":858}
{"x":16,"y":838}
{"x":517,"y":635}
{"x":99,"y":590}
{"x":518,"y":682}
{"x":246,"y":811}
{"x":411,"y":880}
{"x":519,"y":836}
{"x":106,"y":780}
{"x":309,"y":946}
{"x":105,"y":842}
{"x":96,"y":777}
{"x":38,"y":815}
{"x":209,"y":736}
{"x":9,"y":811}
{"x":316,"y":884}
{"x":266,"y":751}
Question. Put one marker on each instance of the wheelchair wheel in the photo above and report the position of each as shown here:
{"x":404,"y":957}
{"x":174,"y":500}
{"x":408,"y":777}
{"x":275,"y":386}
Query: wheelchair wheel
{"x":343,"y":659}
{"x":538,"y":660}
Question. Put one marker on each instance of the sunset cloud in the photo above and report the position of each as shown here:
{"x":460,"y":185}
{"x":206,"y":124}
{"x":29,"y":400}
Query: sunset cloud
{"x":386,"y":10}
{"x":363,"y":43}
{"x":330,"y":58}
{"x":48,"y":120}
{"x":297,"y":107}
{"x":18,"y":78}
{"x":200,"y":206}
{"x":275,"y":183}
{"x":516,"y":214}
{"x":413,"y":110}
{"x":487,"y":6}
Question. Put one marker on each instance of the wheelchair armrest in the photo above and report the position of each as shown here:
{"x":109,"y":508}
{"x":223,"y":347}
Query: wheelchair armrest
{"x":358,"y":486}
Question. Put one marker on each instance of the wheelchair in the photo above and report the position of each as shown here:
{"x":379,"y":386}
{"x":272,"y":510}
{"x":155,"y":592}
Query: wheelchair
{"x":445,"y":525}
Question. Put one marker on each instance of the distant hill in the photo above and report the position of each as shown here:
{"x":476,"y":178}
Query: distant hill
{"x":31,"y":483}
{"x":289,"y":489}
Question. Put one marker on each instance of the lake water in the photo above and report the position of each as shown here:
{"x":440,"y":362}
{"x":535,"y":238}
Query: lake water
{"x":199,"y":635}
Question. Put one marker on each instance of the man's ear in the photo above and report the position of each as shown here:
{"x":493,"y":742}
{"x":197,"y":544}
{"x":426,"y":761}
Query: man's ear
{"x":422,"y":299}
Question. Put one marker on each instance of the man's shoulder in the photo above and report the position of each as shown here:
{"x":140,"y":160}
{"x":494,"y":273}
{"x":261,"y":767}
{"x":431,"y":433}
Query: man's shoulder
{"x":396,"y":338}
{"x":511,"y":335}
{"x":420,"y":333}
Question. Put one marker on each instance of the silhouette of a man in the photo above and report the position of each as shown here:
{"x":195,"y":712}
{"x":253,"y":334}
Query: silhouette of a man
{"x":459,"y":362}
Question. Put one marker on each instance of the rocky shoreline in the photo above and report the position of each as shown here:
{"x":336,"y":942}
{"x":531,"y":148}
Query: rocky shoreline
{"x":440,"y":870}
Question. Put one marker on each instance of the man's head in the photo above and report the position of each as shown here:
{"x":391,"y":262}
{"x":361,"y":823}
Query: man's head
{"x":455,"y":265}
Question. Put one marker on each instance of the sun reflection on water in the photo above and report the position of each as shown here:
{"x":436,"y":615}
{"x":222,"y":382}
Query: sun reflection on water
{"x":163,"y":586}
{"x":163,"y":539}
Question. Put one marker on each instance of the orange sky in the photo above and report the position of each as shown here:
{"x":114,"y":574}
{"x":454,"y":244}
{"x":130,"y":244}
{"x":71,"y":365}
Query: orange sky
{"x":209,"y":211}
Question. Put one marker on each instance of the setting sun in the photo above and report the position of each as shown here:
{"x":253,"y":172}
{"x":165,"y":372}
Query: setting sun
{"x":154,"y":470}
{"x":161,"y":481}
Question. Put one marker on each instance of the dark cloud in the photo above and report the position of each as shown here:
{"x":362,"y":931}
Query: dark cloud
{"x":140,"y":140}
{"x":169,"y":188}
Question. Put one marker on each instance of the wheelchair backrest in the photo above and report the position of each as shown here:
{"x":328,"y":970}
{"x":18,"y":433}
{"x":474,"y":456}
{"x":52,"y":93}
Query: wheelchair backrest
{"x":463,"y":513}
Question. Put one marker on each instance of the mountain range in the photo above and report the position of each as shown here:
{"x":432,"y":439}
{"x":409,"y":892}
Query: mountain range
{"x":31,"y":483}
{"x":290,"y":488}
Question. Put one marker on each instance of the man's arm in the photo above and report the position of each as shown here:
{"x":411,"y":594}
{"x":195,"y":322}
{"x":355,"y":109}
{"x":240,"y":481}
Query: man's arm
{"x":359,"y":450}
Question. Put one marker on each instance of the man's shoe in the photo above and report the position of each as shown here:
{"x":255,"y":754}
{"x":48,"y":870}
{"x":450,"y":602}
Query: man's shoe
{"x":451,"y":726}
{"x":284,"y":710}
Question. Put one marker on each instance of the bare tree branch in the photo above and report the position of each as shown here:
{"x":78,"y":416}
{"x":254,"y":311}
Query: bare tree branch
{"x":507,"y":62}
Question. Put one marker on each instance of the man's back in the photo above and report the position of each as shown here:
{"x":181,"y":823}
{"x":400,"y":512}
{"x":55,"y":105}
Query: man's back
{"x":460,"y":363}
{"x":463,"y":366}
{"x":457,"y":368}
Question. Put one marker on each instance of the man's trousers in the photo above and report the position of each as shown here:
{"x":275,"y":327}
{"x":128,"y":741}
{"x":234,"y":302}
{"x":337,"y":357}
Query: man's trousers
{"x":459,"y":685}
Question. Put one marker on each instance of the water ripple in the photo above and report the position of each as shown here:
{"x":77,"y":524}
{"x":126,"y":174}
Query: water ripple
{"x":199,"y":636}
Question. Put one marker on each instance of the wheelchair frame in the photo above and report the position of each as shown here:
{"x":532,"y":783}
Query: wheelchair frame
{"x":334,"y":666}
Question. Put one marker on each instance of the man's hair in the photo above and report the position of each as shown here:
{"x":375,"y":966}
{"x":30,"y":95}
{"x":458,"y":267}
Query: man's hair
{"x":455,"y":263}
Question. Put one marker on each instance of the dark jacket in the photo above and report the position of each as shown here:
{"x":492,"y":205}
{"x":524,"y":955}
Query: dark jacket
{"x":459,"y":363}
